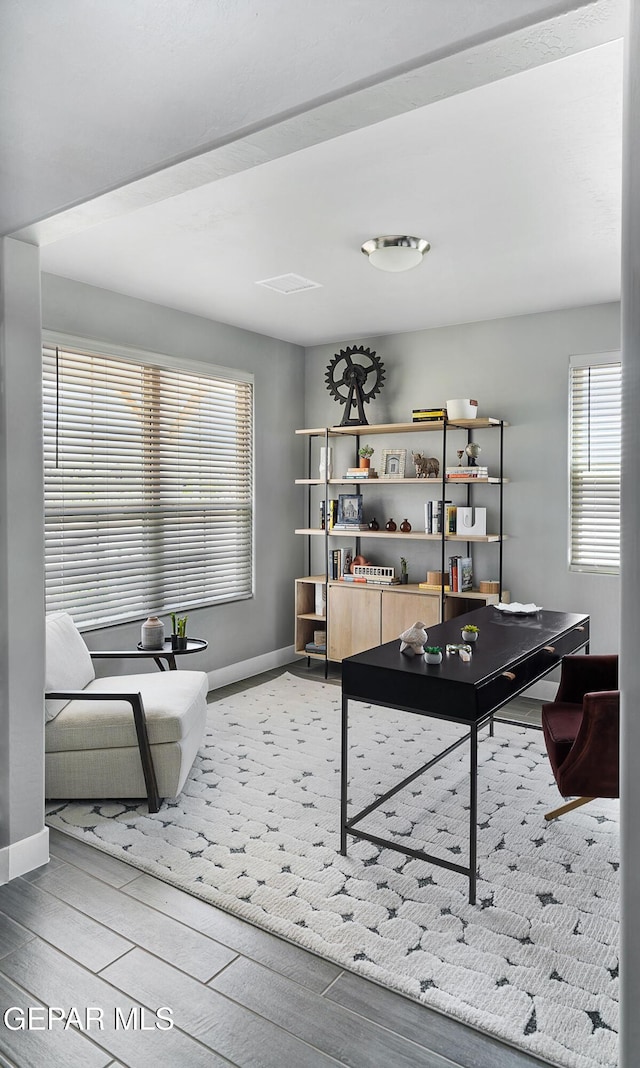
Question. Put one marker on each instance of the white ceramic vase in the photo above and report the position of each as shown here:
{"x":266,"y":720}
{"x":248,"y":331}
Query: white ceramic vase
{"x":326,"y":462}
{"x":152,"y":633}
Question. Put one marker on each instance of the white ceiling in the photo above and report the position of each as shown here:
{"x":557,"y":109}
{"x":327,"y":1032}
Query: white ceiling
{"x":516,"y":182}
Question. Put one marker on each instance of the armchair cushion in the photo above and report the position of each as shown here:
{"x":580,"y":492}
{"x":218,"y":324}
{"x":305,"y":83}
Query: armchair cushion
{"x":173,"y":703}
{"x":560,"y":729}
{"x":68,"y":662}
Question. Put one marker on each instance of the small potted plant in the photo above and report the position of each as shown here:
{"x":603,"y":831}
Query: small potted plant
{"x":470,"y":633}
{"x":404,"y":574}
{"x":365,"y":452}
{"x":178,"y":632}
{"x":433,"y":654}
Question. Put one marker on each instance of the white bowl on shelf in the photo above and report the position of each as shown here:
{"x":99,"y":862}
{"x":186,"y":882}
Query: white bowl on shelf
{"x":462,"y":409}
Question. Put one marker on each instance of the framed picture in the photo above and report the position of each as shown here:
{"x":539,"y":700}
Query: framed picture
{"x":350,"y":510}
{"x":393,"y":463}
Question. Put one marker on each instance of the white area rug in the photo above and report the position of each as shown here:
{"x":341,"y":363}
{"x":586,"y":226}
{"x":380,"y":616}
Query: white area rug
{"x":256,"y":832}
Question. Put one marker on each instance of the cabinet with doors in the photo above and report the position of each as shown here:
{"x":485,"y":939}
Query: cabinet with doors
{"x":359,"y":616}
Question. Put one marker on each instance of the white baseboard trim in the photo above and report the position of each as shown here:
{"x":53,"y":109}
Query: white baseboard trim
{"x":25,"y":855}
{"x":245,"y":669}
{"x":542,"y":690}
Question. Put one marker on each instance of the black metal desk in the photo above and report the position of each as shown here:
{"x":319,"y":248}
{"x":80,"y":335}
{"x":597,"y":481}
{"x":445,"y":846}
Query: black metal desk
{"x":511,"y":653}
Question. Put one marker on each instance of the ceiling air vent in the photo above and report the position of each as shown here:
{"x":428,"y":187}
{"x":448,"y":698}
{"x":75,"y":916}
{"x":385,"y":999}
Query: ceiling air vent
{"x":289,"y":283}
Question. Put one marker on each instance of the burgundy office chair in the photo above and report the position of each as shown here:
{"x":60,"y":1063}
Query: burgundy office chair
{"x":582,"y":730}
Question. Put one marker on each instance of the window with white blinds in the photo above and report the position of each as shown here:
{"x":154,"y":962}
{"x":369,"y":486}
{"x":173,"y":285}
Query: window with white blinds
{"x":594,"y":475}
{"x":148,"y":487}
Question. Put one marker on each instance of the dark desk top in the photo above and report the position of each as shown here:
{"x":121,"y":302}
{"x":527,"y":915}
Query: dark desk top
{"x":527,"y":646}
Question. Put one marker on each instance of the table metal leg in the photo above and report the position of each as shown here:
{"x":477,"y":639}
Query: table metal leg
{"x":473,"y":811}
{"x":344,"y":776}
{"x":171,"y":662}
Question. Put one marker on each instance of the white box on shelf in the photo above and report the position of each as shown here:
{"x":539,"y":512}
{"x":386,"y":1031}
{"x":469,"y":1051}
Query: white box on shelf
{"x":321,"y":599}
{"x":471,"y":520}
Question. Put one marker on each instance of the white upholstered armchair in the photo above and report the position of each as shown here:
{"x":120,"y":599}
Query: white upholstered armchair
{"x":121,"y":736}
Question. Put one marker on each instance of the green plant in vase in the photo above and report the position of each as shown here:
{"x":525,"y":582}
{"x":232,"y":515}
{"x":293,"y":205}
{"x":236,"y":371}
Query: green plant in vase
{"x":178,"y":631}
{"x":365,"y":452}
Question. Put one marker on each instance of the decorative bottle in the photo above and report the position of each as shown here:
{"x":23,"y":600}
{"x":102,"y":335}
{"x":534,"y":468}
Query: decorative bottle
{"x":152,"y":633}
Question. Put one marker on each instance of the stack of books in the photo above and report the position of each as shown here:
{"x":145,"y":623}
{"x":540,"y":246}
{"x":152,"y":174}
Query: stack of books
{"x":436,"y":514}
{"x":460,"y":573}
{"x":428,"y":415}
{"x":359,"y":474}
{"x":333,"y":514}
{"x":467,"y":472}
{"x":382,"y":580}
{"x":314,"y":647}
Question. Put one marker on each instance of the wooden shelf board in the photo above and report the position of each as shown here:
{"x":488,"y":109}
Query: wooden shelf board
{"x":312,"y":578}
{"x":491,"y":480}
{"x":475,"y":595}
{"x":399,"y":535}
{"x":313,"y":656}
{"x":311,"y":615}
{"x":402,"y":428}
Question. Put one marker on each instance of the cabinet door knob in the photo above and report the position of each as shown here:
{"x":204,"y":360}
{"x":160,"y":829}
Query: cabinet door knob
{"x":509,"y":675}
{"x":549,"y":648}
{"x":581,"y":628}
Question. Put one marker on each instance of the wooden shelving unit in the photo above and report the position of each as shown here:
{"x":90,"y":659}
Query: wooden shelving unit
{"x":354,"y":621}
{"x":307,"y":619}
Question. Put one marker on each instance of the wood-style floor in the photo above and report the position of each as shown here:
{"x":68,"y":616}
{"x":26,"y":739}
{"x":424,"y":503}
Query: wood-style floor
{"x":88,"y":930}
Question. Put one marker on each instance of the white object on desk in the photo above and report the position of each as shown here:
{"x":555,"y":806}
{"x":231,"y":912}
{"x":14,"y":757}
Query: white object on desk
{"x":515,"y":608}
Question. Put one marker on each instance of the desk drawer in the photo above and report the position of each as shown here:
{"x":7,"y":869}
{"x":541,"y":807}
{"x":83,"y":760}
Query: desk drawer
{"x":523,"y":674}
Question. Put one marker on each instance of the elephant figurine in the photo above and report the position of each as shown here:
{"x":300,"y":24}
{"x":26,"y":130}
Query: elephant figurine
{"x":426,"y":466}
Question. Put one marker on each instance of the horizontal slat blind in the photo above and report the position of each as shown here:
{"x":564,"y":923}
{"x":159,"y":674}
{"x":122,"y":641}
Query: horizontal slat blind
{"x":595,"y":429}
{"x":148,"y":487}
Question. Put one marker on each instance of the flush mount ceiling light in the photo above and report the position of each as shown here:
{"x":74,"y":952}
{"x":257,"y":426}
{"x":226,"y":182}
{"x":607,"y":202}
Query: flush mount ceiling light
{"x":395,"y":253}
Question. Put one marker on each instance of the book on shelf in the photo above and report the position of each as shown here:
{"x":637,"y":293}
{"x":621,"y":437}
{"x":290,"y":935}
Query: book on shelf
{"x":426,"y":415}
{"x":435,"y":516}
{"x":460,"y":574}
{"x":466,"y":472}
{"x":347,"y":528}
{"x":428,"y":517}
{"x":322,"y":515}
{"x":313,"y":647}
{"x":465,"y":573}
{"x":453,"y":574}
{"x":334,"y":563}
{"x":361,"y":473}
{"x":378,"y":580}
{"x":450,"y":518}
{"x":333,"y":513}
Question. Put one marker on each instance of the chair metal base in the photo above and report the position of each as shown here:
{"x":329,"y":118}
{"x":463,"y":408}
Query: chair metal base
{"x":567,"y":808}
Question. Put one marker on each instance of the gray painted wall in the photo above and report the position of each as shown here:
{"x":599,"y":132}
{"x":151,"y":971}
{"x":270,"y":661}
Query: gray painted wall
{"x":21,"y":547}
{"x":518,"y":370}
{"x":240,"y":630}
